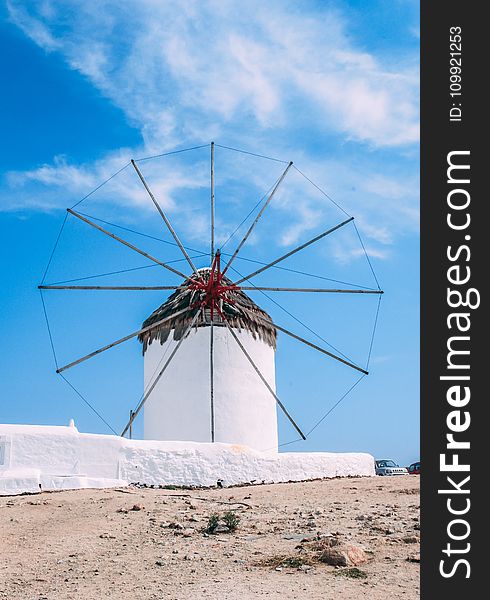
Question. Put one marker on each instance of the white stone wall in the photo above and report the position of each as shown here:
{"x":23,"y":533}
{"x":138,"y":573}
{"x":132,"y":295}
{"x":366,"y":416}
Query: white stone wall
{"x":179,"y":408}
{"x":39,"y":458}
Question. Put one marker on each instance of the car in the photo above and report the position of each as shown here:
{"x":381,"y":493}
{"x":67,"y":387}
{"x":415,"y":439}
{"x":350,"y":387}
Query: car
{"x":389,"y":468}
{"x":414,"y":468}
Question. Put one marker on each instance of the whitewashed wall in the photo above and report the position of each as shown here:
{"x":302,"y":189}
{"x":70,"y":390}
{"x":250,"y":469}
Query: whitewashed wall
{"x":35,"y":458}
{"x":179,"y":407}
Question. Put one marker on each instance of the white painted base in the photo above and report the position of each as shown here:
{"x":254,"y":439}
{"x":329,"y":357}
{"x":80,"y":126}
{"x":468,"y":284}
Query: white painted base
{"x":179,"y":407}
{"x":34,"y":458}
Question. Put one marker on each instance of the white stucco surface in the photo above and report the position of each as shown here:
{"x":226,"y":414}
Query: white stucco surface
{"x":179,"y":407}
{"x":35,"y":457}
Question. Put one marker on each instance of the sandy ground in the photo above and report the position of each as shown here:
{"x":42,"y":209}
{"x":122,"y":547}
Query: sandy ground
{"x":90,"y":544}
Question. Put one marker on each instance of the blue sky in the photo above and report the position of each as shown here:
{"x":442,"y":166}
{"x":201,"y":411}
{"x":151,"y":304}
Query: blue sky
{"x":332,"y":86}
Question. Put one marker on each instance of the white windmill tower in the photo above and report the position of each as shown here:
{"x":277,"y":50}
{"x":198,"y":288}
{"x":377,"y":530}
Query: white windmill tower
{"x":209,"y":349}
{"x":210,"y":391}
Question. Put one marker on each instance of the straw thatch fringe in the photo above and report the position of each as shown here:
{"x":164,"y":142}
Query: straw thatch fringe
{"x":243,"y":314}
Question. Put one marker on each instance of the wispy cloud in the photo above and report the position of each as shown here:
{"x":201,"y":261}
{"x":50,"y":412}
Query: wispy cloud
{"x":60,"y":184}
{"x":204,"y":70}
{"x":153,"y":60}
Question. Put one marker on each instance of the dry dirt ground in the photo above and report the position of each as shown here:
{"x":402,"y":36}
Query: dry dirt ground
{"x":90,"y":544}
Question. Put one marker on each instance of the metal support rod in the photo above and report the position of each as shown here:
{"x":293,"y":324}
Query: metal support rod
{"x":271,"y":195}
{"x":120,"y":341}
{"x":264,"y":380}
{"x":108,"y":287}
{"x":330,"y":291}
{"x":120,"y":240}
{"x":164,"y":217}
{"x":131,"y":426}
{"x":312,"y":241}
{"x":211,"y":376}
{"x":212,"y":201}
{"x":158,"y":377}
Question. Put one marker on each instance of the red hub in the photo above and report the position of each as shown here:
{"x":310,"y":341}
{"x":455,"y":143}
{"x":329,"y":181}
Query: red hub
{"x":215,"y":291}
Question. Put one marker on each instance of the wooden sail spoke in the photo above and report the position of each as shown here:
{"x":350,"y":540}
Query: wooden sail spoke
{"x":315,"y":347}
{"x":305,"y":245}
{"x":121,"y":340}
{"x":164,"y":217}
{"x":109,"y":287}
{"x":125,"y":243}
{"x":264,"y":380}
{"x":212,"y":201}
{"x":271,"y":195}
{"x":317,"y":290}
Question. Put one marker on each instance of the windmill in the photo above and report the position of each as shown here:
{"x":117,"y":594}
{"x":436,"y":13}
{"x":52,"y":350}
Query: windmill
{"x":210,"y":315}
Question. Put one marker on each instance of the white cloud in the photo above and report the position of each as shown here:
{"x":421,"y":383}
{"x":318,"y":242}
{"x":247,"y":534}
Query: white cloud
{"x":150,"y":58}
{"x":203,"y":70}
{"x":307,"y":219}
{"x":60,"y":184}
{"x":34,"y":27}
{"x":345,"y":254}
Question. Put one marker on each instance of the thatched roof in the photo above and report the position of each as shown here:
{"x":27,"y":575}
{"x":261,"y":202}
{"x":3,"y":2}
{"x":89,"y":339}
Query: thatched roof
{"x":242,"y":314}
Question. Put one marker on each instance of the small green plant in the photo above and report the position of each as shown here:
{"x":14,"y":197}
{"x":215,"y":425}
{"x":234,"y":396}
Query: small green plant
{"x":213,"y":523}
{"x":294,"y":561}
{"x":231,"y":520}
{"x":353,"y":573}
